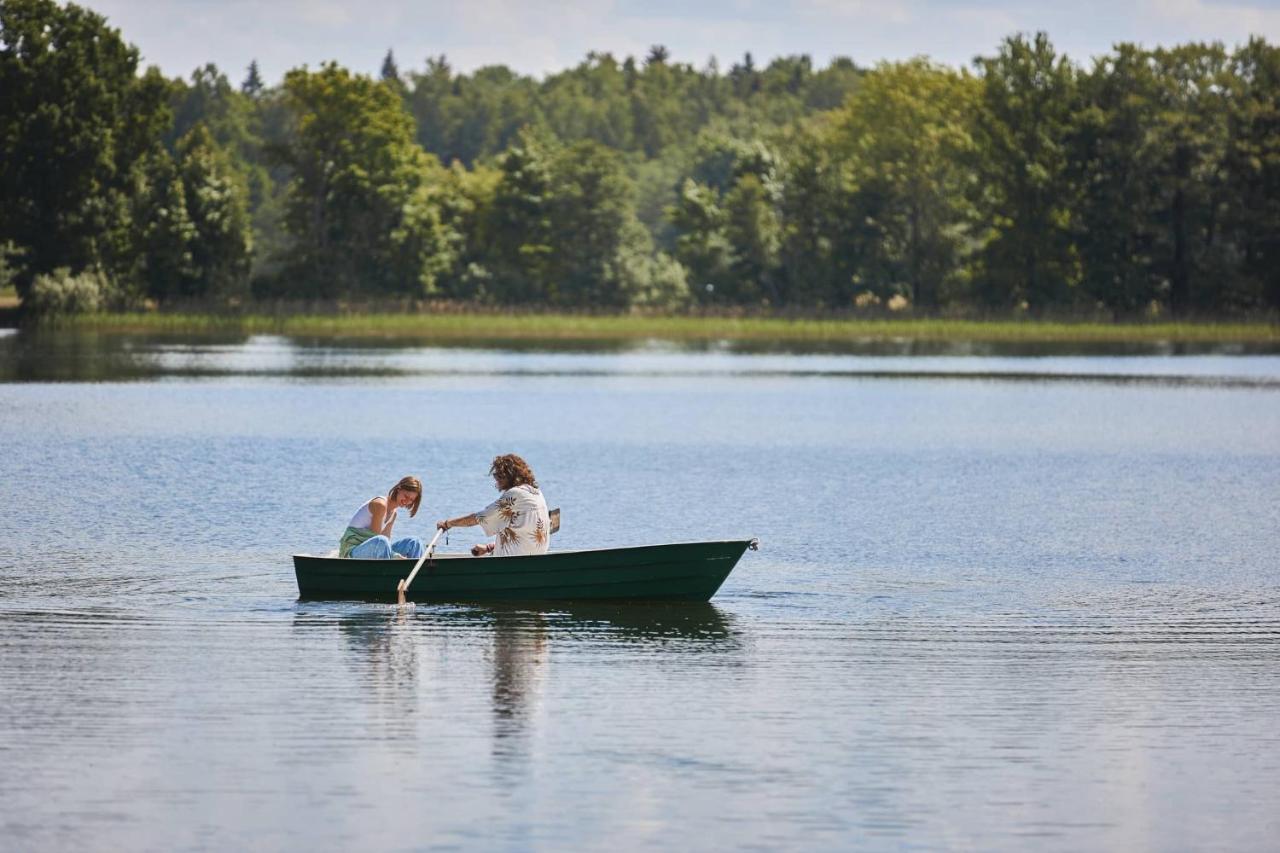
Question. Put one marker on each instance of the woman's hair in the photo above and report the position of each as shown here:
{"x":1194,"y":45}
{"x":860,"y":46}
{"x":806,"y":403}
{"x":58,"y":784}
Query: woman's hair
{"x":511,"y":471}
{"x":408,"y":484}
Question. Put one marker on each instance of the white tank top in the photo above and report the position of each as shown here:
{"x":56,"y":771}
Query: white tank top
{"x":363,"y":519}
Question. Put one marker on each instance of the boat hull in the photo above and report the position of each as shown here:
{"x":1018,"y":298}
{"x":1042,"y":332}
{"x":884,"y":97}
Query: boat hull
{"x":690,"y":571}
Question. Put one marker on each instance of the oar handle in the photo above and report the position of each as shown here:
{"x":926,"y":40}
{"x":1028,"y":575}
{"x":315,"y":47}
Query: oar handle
{"x":426,"y":555}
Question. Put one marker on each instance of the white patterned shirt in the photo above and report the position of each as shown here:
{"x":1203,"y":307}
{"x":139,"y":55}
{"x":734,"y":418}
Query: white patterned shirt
{"x":519,"y":520}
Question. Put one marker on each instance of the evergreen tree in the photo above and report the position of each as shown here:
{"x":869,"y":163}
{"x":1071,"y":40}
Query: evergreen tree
{"x":433,"y":104}
{"x":390,"y":70}
{"x":166,"y":232}
{"x":390,"y":73}
{"x":216,"y":205}
{"x":658,"y":55}
{"x":518,"y":228}
{"x":253,"y":85}
{"x":745,"y":77}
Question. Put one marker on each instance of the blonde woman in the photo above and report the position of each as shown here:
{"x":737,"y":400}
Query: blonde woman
{"x":368,"y":534}
{"x":518,"y":519}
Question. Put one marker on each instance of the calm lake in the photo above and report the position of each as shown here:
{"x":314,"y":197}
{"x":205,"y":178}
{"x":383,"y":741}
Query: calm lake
{"x":1004,"y":600}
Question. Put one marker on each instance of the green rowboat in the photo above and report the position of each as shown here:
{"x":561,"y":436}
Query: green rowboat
{"x":688,"y":571}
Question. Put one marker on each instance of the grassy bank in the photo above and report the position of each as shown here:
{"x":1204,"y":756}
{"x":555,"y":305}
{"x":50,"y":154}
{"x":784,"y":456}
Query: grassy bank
{"x":564,"y":327}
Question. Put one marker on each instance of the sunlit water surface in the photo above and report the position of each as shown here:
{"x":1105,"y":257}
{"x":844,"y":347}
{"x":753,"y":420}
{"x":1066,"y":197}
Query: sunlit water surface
{"x":1003,"y":601}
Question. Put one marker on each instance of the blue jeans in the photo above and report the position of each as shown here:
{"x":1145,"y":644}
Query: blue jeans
{"x":382,"y":548}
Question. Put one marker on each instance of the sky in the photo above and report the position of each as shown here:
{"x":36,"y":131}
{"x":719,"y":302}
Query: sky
{"x":543,"y":36}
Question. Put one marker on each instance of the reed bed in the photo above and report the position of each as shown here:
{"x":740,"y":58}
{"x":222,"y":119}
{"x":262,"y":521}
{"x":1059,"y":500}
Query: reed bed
{"x":567,"y":327}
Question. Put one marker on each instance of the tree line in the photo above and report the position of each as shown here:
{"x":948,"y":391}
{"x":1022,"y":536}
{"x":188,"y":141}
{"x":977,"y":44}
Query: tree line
{"x":1147,"y":181}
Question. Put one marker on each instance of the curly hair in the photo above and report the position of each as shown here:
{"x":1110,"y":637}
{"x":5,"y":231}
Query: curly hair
{"x":413,"y":486}
{"x":510,"y":471}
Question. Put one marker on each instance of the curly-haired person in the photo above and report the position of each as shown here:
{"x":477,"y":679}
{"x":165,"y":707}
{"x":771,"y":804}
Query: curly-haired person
{"x":518,"y":519}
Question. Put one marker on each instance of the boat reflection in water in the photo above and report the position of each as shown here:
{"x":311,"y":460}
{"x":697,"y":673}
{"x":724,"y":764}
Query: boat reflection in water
{"x":526,"y":640}
{"x":414,"y":667}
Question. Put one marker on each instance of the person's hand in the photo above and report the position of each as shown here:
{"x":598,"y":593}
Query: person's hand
{"x":481,"y":550}
{"x":443,"y":524}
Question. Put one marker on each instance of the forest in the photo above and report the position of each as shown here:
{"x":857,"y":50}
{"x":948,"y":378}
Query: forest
{"x":1142,"y":183}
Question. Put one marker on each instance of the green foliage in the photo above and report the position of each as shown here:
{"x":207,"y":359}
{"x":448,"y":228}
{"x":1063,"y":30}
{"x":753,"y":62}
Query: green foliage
{"x":726,"y":218}
{"x":703,"y":245}
{"x":216,"y":204}
{"x":465,"y":199}
{"x":253,"y":86}
{"x":60,"y":293}
{"x":1190,"y":141}
{"x":167,"y":232}
{"x":76,"y":122}
{"x":645,"y":108}
{"x":468,"y":117}
{"x":360,"y":212}
{"x":1114,"y":168}
{"x":900,"y":142}
{"x":390,"y":72}
{"x":210,"y":100}
{"x":517,"y":231}
{"x":1022,"y":196}
{"x":1252,"y":171}
{"x":194,"y":228}
{"x":240,"y":123}
{"x":1148,"y":182}
{"x":594,"y":231}
{"x":813,"y":258}
{"x":658,"y":282}
{"x":561,"y":229}
{"x":753,"y":230}
{"x":10,"y":264}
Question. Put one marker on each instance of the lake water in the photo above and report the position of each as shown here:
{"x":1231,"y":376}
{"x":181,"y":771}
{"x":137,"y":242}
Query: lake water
{"x":1004,"y":600}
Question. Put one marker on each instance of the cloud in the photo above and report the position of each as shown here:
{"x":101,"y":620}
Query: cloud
{"x":541,"y":36}
{"x":1229,"y":21}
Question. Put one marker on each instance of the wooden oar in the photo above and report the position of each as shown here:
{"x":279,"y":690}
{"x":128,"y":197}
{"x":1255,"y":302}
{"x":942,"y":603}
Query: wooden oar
{"x":426,"y":555}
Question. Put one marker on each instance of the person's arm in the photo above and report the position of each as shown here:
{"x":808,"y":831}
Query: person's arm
{"x":466,"y":521}
{"x":488,"y":519}
{"x":381,"y":520}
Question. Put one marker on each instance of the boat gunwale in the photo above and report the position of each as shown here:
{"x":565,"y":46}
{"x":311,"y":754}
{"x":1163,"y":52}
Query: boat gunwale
{"x":489,"y":559}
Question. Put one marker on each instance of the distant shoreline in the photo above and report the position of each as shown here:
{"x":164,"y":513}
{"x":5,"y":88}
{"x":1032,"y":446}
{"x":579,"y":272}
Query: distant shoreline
{"x":454,"y":326}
